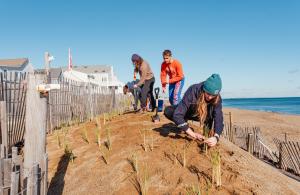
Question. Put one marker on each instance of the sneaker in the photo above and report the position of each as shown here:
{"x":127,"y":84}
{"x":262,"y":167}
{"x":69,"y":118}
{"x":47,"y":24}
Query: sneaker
{"x":141,"y":111}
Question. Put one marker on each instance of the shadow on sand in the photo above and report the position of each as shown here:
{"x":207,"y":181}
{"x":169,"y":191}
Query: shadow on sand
{"x":172,"y":131}
{"x":58,"y":182}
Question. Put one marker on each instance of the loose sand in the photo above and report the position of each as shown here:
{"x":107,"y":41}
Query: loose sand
{"x":241,"y":172}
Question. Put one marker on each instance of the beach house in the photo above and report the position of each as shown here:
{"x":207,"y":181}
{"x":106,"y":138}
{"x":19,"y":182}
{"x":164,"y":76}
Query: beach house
{"x":96,"y":75}
{"x":101,"y":75}
{"x":15,"y":65}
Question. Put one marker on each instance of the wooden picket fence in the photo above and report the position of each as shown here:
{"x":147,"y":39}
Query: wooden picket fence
{"x":77,"y":101}
{"x":289,"y":155}
{"x":23,"y":168}
{"x":13,"y":97}
{"x":249,"y":139}
{"x":286,"y":157}
{"x":15,"y":180}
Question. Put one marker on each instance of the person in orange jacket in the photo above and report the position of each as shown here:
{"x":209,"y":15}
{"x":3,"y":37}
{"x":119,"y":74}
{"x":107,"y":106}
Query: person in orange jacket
{"x":173,"y":69}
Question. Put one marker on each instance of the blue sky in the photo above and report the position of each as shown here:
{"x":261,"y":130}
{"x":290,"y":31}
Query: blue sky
{"x":254,"y":45}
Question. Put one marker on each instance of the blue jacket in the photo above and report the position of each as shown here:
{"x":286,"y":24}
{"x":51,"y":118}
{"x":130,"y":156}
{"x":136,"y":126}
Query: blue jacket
{"x":187,"y":108}
{"x":130,"y":85}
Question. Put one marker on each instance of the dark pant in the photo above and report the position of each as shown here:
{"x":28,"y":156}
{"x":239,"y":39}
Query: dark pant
{"x":137,"y":97}
{"x":190,"y":114}
{"x":147,"y":88}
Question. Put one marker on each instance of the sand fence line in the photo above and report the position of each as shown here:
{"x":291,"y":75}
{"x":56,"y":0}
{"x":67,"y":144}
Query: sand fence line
{"x":286,"y":157}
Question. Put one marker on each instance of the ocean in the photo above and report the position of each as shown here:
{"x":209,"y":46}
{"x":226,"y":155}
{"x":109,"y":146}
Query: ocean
{"x":285,"y":105}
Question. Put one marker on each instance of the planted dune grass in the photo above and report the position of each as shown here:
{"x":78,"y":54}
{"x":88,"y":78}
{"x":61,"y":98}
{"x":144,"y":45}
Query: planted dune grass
{"x":84,"y":135}
{"x":98,"y":133}
{"x":216,"y":168}
{"x":140,"y":180}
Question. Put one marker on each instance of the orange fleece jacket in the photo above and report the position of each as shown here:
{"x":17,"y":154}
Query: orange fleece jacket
{"x":173,"y":70}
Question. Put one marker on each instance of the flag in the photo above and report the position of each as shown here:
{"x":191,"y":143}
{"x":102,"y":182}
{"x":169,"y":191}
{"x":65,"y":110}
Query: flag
{"x":70,"y":60}
{"x":50,"y":58}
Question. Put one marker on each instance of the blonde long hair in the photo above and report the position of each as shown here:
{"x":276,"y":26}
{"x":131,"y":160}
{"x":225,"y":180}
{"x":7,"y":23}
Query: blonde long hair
{"x":202,"y":107}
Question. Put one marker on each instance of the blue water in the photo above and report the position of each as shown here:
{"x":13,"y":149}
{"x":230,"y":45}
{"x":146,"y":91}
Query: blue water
{"x":289,"y":105}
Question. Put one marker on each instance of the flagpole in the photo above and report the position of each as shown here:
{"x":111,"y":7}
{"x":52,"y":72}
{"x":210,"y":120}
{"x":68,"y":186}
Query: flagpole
{"x":70,"y":60}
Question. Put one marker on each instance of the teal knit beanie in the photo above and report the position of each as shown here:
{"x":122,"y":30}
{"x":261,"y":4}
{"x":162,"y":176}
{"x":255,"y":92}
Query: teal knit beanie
{"x":213,"y":84}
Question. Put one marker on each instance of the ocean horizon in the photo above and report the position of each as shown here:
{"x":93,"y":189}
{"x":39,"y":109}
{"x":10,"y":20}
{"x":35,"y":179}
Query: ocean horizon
{"x":284,"y":105}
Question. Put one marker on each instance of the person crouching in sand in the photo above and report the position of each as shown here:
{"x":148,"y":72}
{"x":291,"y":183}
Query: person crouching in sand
{"x":136,"y":92}
{"x":201,"y":102}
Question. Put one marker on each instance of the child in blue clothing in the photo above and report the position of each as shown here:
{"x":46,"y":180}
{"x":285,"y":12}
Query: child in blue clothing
{"x":136,"y":92}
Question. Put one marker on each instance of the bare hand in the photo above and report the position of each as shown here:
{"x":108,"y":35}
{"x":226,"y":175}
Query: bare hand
{"x":212,"y":141}
{"x":199,"y":136}
{"x":135,"y":86}
{"x":194,"y":135}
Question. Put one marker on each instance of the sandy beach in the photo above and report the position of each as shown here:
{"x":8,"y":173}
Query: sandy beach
{"x":242,"y":173}
{"x":272,"y":125}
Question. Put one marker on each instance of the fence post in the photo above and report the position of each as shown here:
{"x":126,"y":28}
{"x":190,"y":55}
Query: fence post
{"x":35,"y":132}
{"x":230,"y":128}
{"x":14,"y":185}
{"x":250,"y":143}
{"x":44,"y":170}
{"x":90,"y":99}
{"x":1,"y":175}
{"x":2,"y":152}
{"x":35,"y":179}
{"x":285,"y":137}
{"x":280,"y":155}
{"x":4,"y":135}
{"x":14,"y":157}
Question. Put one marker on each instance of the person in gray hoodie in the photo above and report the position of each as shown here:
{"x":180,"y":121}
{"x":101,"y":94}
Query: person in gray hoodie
{"x":146,"y":82}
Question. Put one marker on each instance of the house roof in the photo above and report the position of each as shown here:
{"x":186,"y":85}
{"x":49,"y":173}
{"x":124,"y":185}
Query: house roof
{"x":93,"y":69}
{"x":54,"y":72}
{"x":13,"y":63}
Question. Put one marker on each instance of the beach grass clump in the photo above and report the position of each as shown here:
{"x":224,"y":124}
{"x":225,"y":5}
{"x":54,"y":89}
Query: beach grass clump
{"x":141,"y":180}
{"x":133,"y":161}
{"x":152,"y":142}
{"x":98,"y":133}
{"x":104,"y":119}
{"x":193,"y":190}
{"x":216,"y":168}
{"x":181,"y":156}
{"x":108,"y":142}
{"x":184,"y":154}
{"x":69,"y":153}
{"x":84,"y":135}
{"x":174,"y":154}
{"x":143,"y":134}
{"x":204,"y":179}
{"x":58,"y":139}
{"x":65,"y":130}
{"x":205,"y":134}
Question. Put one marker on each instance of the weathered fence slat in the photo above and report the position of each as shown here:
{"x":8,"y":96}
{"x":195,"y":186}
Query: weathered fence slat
{"x":4,"y":133}
{"x":287,"y":156}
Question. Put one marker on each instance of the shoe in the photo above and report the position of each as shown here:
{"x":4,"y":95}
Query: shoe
{"x":141,"y":111}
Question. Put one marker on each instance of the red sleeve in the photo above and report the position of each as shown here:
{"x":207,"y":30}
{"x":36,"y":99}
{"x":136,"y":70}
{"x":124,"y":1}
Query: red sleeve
{"x":179,"y":76}
{"x":163,"y":75}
